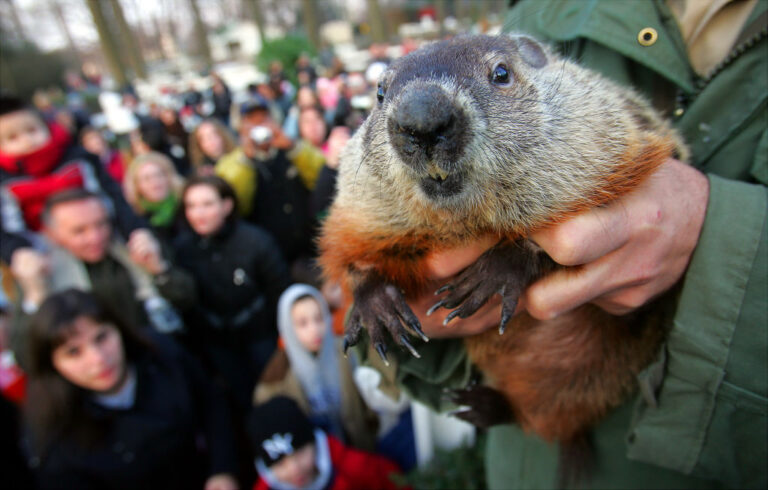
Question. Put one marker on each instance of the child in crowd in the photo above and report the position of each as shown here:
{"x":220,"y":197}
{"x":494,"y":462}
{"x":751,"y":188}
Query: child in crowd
{"x":93,"y":141}
{"x":38,"y":159}
{"x":311,"y":369}
{"x":291,"y":454}
{"x":153,"y":188}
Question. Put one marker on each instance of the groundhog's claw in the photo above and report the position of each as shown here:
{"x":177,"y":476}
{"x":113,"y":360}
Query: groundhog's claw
{"x":382,"y":350}
{"x":505,"y":269}
{"x":480,"y":405}
{"x":380,"y":308}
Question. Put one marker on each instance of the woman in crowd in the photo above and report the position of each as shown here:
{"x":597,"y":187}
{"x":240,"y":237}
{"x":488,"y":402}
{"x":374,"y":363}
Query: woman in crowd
{"x":240,"y":274}
{"x":311,"y":369}
{"x":305,"y":97}
{"x":110,"y":409}
{"x":93,"y":141}
{"x":153,"y":187}
{"x":208,"y":142}
{"x":221,"y":97}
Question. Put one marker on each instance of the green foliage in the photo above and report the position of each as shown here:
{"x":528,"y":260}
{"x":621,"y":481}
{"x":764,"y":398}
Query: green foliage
{"x":26,"y":68}
{"x":458,"y":468}
{"x":285,"y":50}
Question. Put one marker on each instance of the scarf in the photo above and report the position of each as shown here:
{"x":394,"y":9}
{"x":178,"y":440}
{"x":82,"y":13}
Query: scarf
{"x":162,"y":213}
{"x":318,"y":374}
{"x":40,"y":162}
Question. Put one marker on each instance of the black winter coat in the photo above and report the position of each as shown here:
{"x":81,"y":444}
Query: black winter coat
{"x":155,"y":443}
{"x":240,"y":274}
{"x":281,"y":206}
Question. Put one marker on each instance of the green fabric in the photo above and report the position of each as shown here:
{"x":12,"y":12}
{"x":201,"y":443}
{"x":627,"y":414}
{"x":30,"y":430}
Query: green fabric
{"x":702,"y":422}
{"x":161,"y":213}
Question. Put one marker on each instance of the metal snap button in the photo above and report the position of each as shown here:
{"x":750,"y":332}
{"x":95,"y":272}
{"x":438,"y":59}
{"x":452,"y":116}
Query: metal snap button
{"x":647,"y":36}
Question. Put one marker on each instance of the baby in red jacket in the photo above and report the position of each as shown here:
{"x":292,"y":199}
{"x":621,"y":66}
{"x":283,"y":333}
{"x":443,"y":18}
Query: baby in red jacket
{"x":292,"y":455}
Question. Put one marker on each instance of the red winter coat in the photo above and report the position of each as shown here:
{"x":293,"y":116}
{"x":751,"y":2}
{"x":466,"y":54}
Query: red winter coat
{"x":354,"y":470}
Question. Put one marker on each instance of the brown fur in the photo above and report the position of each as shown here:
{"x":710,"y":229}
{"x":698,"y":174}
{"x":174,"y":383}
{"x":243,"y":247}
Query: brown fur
{"x":557,"y":142}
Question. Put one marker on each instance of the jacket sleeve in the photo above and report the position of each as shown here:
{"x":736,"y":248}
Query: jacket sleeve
{"x":360,"y":469}
{"x":713,"y":398}
{"x":177,"y":286}
{"x":271,"y":268}
{"x":9,"y":243}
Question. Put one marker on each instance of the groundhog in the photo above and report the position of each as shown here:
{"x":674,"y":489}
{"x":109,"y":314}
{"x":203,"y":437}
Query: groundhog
{"x":499,"y":135}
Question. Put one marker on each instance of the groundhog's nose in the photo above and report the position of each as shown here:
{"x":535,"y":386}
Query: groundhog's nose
{"x":426,"y":125}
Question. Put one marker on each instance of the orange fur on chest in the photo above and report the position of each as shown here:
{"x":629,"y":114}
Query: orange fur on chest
{"x":347,"y":244}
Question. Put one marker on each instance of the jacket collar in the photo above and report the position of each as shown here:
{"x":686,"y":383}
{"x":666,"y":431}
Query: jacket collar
{"x":41,"y":161}
{"x":616,"y":24}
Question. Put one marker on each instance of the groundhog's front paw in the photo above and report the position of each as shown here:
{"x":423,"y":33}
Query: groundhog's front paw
{"x":506,"y":269}
{"x":380,"y":308}
{"x":480,"y":405}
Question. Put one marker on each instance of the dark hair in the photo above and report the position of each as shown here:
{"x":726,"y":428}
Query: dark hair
{"x":85,"y":130}
{"x":222,"y":188}
{"x":65,"y":196}
{"x":10,"y":103}
{"x":154,"y":134}
{"x":53,"y":405}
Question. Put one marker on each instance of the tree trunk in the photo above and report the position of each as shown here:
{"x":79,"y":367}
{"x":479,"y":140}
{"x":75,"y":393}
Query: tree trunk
{"x":128,"y":41}
{"x":310,"y":22}
{"x":202,"y":35}
{"x":378,"y":23}
{"x":59,"y":14}
{"x":440,"y":11}
{"x":258,"y":17}
{"x":18,"y":27}
{"x":108,"y":45}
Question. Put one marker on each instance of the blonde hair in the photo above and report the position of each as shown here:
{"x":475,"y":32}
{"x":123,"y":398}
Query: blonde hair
{"x":130,"y":189}
{"x":196,"y":155}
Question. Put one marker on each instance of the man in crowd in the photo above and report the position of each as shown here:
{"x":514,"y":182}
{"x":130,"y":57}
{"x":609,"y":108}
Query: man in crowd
{"x":133,"y":280}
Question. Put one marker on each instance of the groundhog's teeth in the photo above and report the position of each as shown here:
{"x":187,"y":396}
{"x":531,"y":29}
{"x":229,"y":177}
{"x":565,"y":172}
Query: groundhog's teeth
{"x":436,"y":172}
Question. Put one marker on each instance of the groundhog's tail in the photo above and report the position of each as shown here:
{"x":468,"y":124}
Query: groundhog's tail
{"x":576,"y":461}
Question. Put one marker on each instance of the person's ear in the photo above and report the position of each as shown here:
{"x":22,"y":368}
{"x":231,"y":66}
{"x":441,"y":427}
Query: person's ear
{"x":229,"y":204}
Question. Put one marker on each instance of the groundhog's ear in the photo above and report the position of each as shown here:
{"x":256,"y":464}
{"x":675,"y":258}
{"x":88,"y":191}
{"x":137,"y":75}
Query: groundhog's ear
{"x":531,"y":51}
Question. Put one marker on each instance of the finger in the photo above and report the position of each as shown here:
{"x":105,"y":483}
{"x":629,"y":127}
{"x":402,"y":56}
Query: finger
{"x":587,"y":236}
{"x":443,"y":265}
{"x":566,"y":289}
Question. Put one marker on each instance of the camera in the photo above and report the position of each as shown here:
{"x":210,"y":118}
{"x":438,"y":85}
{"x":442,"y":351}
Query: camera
{"x":260,"y":135}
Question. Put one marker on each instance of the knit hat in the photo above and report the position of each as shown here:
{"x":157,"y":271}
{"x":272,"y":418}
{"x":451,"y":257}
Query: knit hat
{"x":278,"y":428}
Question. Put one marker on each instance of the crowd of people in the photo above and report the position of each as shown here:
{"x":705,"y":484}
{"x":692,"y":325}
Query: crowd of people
{"x":164,"y":324}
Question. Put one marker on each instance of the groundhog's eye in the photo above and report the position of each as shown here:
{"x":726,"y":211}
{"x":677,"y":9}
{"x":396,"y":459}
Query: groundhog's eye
{"x":380,"y":93}
{"x":500,"y":75}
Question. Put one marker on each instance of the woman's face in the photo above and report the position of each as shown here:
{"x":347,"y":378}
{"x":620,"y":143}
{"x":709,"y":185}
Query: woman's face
{"x":92,"y":357}
{"x":210,"y":141}
{"x":205,"y":210}
{"x":308,"y":323}
{"x":312,"y":127}
{"x":152,"y":183}
{"x":297,"y":469}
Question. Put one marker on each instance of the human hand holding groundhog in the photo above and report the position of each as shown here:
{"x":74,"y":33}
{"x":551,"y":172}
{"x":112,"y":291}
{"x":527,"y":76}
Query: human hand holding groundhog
{"x":627,"y":253}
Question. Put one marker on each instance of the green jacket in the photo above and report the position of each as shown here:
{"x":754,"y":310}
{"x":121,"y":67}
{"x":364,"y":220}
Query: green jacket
{"x":703,"y":420}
